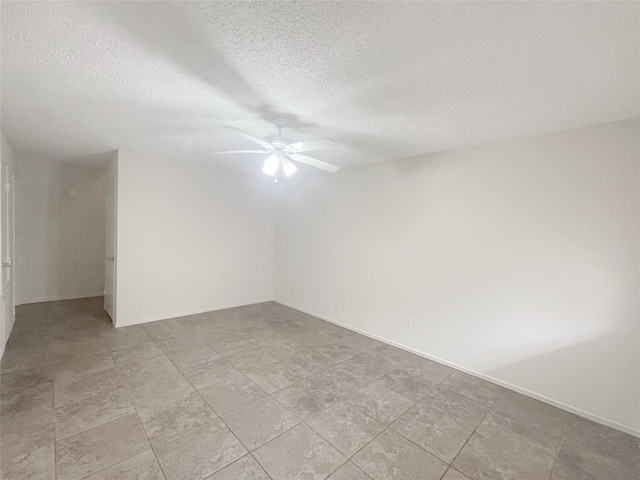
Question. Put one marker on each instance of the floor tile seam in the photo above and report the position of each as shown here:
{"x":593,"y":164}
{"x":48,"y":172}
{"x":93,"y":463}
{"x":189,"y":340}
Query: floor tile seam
{"x":451,"y":417}
{"x":339,"y":466}
{"x":247,"y":449}
{"x":55,"y":459}
{"x":522,"y":437}
{"x":532,"y":463}
{"x":287,"y":431}
{"x":80,"y":378}
{"x":96,"y":426}
{"x":414,"y":403}
{"x":148,"y":376}
{"x":4,"y":456}
{"x":148,"y":447}
{"x":302,"y":420}
{"x":82,"y":357}
{"x":7,"y":372}
{"x":191,"y":429}
{"x":5,"y":459}
{"x":25,"y":389}
{"x":469,"y":398}
{"x":470,"y":437}
{"x":231,"y":409}
{"x":565,"y":413}
{"x":405,"y":397}
{"x":449,"y":467}
{"x":388,"y":427}
{"x":555,"y":459}
{"x":174,"y":436}
{"x":342,"y":397}
{"x":595,"y":453}
{"x":349,"y":457}
{"x":268,"y":441}
{"x":139,"y":420}
{"x":99,"y":426}
{"x":453,"y":370}
{"x":125,"y":347}
{"x":55,"y":412}
{"x":118,"y":462}
{"x":509,"y":416}
{"x":203,"y":331}
{"x":256,"y":460}
{"x":420,"y":446}
{"x":119,"y":382}
{"x":253,"y":348}
{"x":296,"y":382}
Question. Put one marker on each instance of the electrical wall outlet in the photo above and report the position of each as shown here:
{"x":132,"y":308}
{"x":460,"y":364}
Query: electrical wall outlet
{"x":407,"y":322}
{"x":219,"y":289}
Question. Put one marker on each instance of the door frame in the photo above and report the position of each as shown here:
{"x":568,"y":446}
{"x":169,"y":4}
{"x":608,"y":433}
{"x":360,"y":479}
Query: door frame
{"x":112,"y":189}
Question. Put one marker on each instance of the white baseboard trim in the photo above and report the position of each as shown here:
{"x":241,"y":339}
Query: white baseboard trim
{"x":184,"y":314}
{"x":53,"y":298}
{"x":555,"y":403}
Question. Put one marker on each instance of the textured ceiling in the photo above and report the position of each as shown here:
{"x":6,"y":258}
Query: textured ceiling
{"x":385,"y":79}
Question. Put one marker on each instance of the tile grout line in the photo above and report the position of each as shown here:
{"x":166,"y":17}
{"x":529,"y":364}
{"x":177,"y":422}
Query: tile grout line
{"x":97,"y":426}
{"x":137,"y":415}
{"x":557,"y":453}
{"x":192,"y":386}
{"x":470,"y":437}
{"x":271,"y":395}
{"x":302,"y":421}
{"x":386,"y":427}
{"x":55,"y":433}
{"x":206,"y":403}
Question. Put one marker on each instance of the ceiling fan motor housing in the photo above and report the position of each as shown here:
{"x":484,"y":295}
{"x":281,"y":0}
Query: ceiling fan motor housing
{"x":278,"y":141}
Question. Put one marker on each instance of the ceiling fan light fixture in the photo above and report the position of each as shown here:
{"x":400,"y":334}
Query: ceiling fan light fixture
{"x":282,"y":150}
{"x":288,"y":167}
{"x":271,"y":165}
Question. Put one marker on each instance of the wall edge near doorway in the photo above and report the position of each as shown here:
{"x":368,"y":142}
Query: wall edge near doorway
{"x":53,"y":298}
{"x":184,"y":314}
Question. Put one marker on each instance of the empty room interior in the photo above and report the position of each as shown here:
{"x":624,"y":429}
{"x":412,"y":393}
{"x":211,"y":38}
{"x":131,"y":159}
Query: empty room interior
{"x":320,"y":240}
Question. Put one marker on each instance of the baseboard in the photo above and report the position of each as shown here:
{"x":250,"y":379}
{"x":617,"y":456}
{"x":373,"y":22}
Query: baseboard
{"x":53,"y":298}
{"x":184,"y":314}
{"x":555,"y":403}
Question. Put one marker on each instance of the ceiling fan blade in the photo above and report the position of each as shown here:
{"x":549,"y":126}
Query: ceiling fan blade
{"x":308,"y":145}
{"x":239,"y":151}
{"x":253,"y":138}
{"x":314,"y":162}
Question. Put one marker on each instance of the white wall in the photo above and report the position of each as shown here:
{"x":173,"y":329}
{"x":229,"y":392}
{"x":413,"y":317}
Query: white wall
{"x":59,"y":239}
{"x":185,"y":228}
{"x":518,"y":260}
{"x":7,"y":315}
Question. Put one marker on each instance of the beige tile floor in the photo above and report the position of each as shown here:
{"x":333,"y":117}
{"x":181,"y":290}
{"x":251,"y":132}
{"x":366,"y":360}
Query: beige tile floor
{"x":266,"y":392}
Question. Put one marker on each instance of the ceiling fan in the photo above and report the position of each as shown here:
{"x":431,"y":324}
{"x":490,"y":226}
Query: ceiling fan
{"x":283,"y":150}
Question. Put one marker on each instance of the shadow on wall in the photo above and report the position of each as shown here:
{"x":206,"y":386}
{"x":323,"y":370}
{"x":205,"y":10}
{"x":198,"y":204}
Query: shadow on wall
{"x":561,"y":369}
{"x":75,"y":231}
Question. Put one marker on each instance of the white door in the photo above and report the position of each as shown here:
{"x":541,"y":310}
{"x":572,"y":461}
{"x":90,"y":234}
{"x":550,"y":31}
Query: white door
{"x":7,"y":215}
{"x":110,"y":249}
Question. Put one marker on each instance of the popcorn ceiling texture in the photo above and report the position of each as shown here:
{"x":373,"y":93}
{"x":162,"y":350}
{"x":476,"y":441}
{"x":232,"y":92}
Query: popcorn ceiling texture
{"x":385,"y":79}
